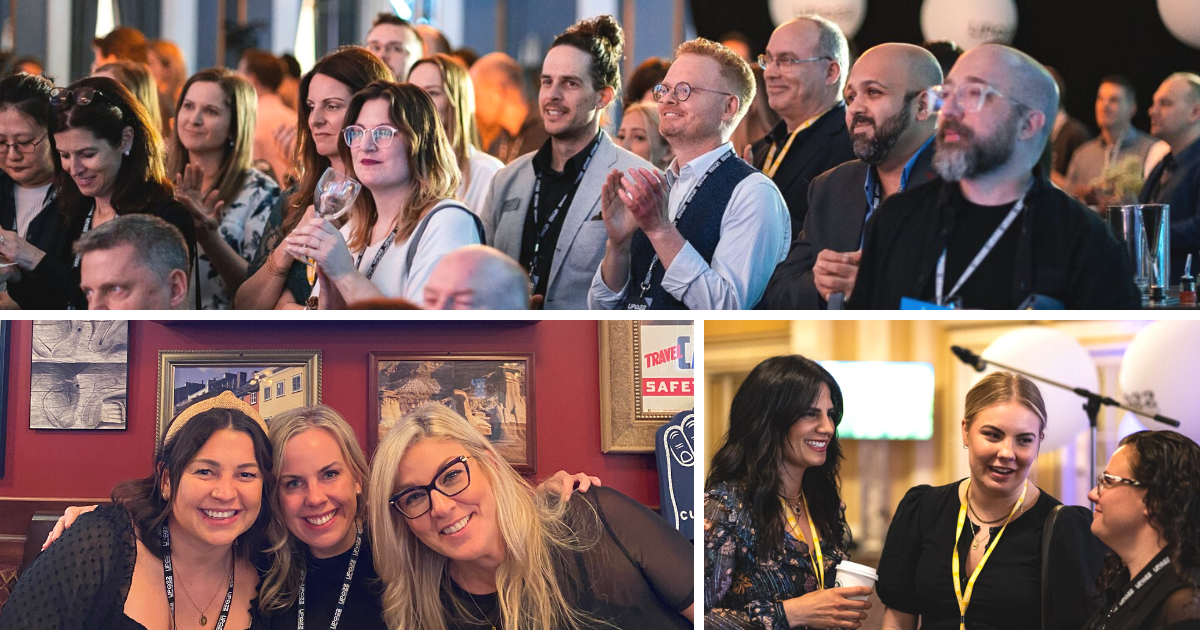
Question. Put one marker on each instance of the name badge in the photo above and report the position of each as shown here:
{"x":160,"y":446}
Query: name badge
{"x":911,"y":304}
{"x":641,"y":304}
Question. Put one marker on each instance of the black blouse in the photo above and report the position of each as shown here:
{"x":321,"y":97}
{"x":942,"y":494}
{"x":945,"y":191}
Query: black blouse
{"x":915,"y":575}
{"x":323,"y":586}
{"x":1164,"y":602}
{"x":83,"y":579}
{"x":638,"y":577}
{"x":296,"y":281}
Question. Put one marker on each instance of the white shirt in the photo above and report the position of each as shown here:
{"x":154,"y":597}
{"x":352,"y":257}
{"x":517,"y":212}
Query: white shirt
{"x":755,"y":232}
{"x":483,"y":168}
{"x":29,"y":202}
{"x":448,"y":230}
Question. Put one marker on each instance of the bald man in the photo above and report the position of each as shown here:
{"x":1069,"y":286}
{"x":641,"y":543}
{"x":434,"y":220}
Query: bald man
{"x":804,"y":70}
{"x":1175,"y":118}
{"x":477,"y":277}
{"x":994,"y":233}
{"x":892,"y":123}
{"x":508,"y":124}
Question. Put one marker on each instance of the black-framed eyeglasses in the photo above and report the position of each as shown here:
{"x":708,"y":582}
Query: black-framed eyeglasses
{"x":1105,"y":481}
{"x":452,"y":478}
{"x":80,"y":96}
{"x":784,"y":61}
{"x":26,"y":147}
{"x":682,"y":91}
{"x":382,"y":135}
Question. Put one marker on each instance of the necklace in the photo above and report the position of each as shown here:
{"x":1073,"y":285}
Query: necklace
{"x":480,"y":609}
{"x":203,"y":617}
{"x":169,"y":584}
{"x":976,"y":514}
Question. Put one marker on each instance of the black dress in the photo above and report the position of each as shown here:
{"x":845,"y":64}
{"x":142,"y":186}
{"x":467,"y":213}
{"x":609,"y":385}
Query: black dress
{"x":83,"y":579}
{"x":639,"y":576}
{"x":1164,"y":602}
{"x":323,"y":586}
{"x":915,"y":575}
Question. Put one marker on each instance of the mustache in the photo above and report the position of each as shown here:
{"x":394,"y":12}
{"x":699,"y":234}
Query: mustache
{"x":958,"y":128}
{"x":861,"y":118}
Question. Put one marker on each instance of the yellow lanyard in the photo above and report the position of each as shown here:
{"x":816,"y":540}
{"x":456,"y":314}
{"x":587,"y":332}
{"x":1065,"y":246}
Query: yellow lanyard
{"x":965,"y":600}
{"x":769,"y":166}
{"x":818,"y":561}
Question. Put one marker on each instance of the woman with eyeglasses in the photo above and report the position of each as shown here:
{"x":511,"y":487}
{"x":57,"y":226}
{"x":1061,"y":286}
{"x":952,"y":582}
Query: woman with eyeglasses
{"x":109,"y":162}
{"x":463,"y":542}
{"x":229,"y":200}
{"x":774,"y":523}
{"x":275,"y":278}
{"x":971,"y":552}
{"x":29,"y":219}
{"x":405,"y":219}
{"x":1148,"y":512}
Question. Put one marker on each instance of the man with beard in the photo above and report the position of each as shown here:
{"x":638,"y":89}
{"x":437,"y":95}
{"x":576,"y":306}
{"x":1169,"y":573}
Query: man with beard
{"x":994,"y":233}
{"x":892,"y":126}
{"x":804,"y":70}
{"x":708,"y":234}
{"x":543,"y":209}
{"x":1175,"y":117}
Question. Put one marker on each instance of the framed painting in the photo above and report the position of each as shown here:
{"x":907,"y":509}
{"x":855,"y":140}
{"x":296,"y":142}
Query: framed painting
{"x":270,"y":381}
{"x":646,"y":377}
{"x":79,"y":375}
{"x":494,"y":392}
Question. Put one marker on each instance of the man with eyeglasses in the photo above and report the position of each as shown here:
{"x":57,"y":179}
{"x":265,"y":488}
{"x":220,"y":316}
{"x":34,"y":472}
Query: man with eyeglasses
{"x":804,"y":70}
{"x":708,"y":234}
{"x":396,"y":41}
{"x":1175,"y":118}
{"x":543,"y":209}
{"x":892,"y":124}
{"x":994,"y":234}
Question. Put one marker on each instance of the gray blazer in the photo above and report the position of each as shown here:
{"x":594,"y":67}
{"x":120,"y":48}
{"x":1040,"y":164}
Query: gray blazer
{"x":580,"y":244}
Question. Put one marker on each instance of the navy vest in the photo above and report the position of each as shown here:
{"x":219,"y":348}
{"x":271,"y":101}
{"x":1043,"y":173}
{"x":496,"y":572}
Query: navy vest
{"x":700,"y":225}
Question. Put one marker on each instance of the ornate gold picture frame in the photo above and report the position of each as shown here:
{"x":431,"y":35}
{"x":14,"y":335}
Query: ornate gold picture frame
{"x":629,"y":416}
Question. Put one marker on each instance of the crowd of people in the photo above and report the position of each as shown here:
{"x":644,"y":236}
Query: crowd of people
{"x":911,"y":177}
{"x":989,"y":551}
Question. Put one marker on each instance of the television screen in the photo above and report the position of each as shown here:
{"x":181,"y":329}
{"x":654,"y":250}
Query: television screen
{"x":884,"y":400}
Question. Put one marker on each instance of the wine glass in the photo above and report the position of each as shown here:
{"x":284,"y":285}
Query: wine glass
{"x":336,"y":193}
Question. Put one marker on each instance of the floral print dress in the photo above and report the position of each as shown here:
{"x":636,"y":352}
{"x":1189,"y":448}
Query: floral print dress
{"x":242,"y":228}
{"x":744,"y":586}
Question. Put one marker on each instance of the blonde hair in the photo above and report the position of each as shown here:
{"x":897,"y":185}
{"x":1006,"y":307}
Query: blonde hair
{"x":659,"y":149}
{"x":734,"y":70}
{"x":282,"y":580}
{"x":136,"y":77}
{"x":531,"y":525}
{"x":239,"y":149}
{"x":998,"y":388}
{"x":460,"y":129}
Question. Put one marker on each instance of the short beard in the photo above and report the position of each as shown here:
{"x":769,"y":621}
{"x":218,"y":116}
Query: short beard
{"x":874,"y":149}
{"x":979,"y":156}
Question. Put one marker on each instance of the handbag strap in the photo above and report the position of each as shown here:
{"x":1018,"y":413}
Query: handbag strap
{"x":416,"y":237}
{"x":1047,"y":535}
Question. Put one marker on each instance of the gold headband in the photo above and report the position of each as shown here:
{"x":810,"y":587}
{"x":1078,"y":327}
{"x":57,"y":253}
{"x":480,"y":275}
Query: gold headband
{"x":226,"y":400}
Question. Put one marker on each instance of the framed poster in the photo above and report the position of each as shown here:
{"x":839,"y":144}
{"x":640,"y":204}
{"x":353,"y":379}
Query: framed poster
{"x":492,"y":391}
{"x":270,"y":381}
{"x":646,"y":377}
{"x":79,"y":375}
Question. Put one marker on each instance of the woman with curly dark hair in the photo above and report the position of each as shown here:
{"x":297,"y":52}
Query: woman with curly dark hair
{"x":771,"y":493}
{"x":1148,"y":512}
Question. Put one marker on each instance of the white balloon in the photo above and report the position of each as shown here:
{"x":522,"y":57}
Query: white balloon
{"x":1055,"y":355}
{"x":970,"y":23}
{"x":847,"y":14}
{"x":1158,"y":374}
{"x":1182,"y":19}
{"x":1130,"y":424}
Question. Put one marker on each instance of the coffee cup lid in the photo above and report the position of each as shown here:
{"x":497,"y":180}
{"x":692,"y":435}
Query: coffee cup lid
{"x":860,"y":569}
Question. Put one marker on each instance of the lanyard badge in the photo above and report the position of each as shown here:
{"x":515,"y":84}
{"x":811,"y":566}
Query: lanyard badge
{"x":964,"y":599}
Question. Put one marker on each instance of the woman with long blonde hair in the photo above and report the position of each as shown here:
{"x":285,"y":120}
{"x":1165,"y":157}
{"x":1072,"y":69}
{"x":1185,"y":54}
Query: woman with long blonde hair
{"x":462,"y":541}
{"x":448,"y":83}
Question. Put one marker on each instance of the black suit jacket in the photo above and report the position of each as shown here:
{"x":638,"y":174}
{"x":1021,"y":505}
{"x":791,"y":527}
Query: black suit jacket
{"x":42,"y":229}
{"x":815,"y":150}
{"x":837,"y":212}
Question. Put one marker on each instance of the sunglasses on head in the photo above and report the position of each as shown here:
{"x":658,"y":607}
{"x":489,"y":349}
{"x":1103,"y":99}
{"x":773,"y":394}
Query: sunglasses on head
{"x":79,"y":96}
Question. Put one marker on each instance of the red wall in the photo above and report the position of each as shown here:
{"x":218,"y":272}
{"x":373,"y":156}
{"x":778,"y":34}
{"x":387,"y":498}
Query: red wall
{"x":86,"y":464}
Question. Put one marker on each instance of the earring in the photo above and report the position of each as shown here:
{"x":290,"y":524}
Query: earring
{"x":964,"y":446}
{"x":126,"y":151}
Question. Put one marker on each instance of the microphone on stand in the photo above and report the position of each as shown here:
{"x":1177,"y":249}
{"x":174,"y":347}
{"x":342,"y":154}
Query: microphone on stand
{"x":970,"y":358}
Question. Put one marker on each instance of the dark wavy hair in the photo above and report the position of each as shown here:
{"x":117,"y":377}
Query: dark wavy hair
{"x":604,"y":41}
{"x":142,"y":179}
{"x":1168,"y":465}
{"x":143,"y":497}
{"x":775,"y":395}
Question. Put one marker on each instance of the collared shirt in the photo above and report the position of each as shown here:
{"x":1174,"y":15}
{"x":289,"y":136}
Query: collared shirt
{"x":555,"y":186}
{"x":1094,"y":156}
{"x":873,"y":181}
{"x":1176,"y":181}
{"x":754,"y":238}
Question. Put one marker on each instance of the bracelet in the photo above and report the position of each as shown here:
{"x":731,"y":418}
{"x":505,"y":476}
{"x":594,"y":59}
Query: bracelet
{"x":274,"y":269}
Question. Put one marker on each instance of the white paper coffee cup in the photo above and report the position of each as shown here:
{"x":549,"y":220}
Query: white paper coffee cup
{"x":854,"y":574}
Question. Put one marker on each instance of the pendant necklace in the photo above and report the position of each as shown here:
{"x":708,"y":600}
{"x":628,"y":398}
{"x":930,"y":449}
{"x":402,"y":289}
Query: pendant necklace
{"x":480,"y":609}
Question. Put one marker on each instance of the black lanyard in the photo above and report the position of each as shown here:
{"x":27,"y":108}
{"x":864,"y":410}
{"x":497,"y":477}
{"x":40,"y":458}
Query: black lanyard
{"x":169,"y":580}
{"x":50,"y":195}
{"x":387,"y":242}
{"x":337,"y":613}
{"x":545,"y":227}
{"x":683,"y":208}
{"x":1145,"y":578}
{"x":87,"y":225}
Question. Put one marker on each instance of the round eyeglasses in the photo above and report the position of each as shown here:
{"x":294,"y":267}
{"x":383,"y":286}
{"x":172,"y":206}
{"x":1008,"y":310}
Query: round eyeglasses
{"x":1105,"y":481}
{"x":682,"y":91}
{"x":452,"y":478}
{"x":382,"y":135}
